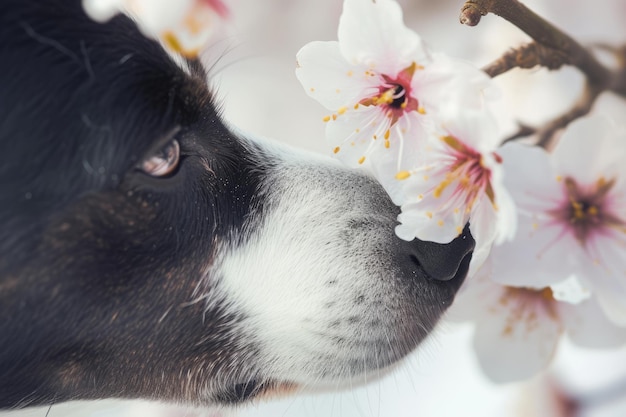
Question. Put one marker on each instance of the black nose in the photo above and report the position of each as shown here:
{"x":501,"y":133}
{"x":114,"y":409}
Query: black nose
{"x":444,"y":261}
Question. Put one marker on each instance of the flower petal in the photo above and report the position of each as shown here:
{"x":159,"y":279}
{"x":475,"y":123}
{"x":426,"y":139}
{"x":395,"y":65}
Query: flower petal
{"x":454,"y":88}
{"x":328,"y":78}
{"x":570,"y":291}
{"x":506,"y":210}
{"x":374,"y":34}
{"x":538,"y":256}
{"x":532,"y":189}
{"x":510,"y":349}
{"x":402,"y":155}
{"x":423,"y":218}
{"x":593,"y":143}
{"x":602,"y":262}
{"x":587,"y":325}
{"x":516,"y":330}
{"x":483,"y":229}
{"x":103,"y":10}
{"x":476,"y":128}
{"x":355,"y":135}
{"x":613,"y":307}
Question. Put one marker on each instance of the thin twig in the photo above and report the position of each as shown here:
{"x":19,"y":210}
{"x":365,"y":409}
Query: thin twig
{"x":522,"y":132}
{"x":527,"y":56}
{"x":582,"y":107}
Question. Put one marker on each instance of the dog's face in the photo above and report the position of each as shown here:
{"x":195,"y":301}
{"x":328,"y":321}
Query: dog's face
{"x":149,"y":251}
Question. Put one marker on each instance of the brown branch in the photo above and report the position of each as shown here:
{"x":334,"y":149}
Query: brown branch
{"x":552,"y":49}
{"x":527,"y":56}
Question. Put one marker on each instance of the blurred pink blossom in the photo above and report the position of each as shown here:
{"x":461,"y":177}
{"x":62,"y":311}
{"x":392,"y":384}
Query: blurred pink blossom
{"x":572,"y":214}
{"x":518,"y":329}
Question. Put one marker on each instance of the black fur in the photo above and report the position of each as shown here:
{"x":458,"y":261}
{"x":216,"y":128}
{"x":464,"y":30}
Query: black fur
{"x":81,"y":103}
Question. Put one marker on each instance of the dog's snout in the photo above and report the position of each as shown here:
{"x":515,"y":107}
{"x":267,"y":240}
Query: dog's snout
{"x":444,"y":262}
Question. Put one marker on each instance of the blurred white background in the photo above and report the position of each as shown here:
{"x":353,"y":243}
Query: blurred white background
{"x":252,"y":70}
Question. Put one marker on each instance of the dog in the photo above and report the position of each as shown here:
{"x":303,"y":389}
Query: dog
{"x":149,"y":250}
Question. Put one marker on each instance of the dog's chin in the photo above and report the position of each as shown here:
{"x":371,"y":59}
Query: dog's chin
{"x":254,"y":390}
{"x":265,"y":390}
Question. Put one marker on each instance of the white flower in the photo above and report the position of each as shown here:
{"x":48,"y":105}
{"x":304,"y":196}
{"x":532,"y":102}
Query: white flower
{"x":572,"y":214}
{"x":517,"y":330}
{"x":389,"y":96}
{"x":182,"y":25}
{"x":381,"y":83}
{"x":457,"y":178}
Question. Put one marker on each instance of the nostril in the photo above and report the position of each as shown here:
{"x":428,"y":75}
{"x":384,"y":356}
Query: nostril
{"x":444,"y":262}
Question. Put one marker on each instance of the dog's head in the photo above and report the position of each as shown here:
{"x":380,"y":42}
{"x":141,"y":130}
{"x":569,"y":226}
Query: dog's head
{"x":150,"y":251}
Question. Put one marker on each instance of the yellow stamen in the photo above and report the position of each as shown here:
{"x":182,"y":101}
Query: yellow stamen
{"x":402,"y":175}
{"x":385,"y":98}
{"x":342,"y":110}
{"x":547,"y":294}
{"x":337,"y":149}
{"x":170,"y":40}
{"x":387,"y":133}
{"x":361,"y":160}
{"x":491,"y":194}
{"x":453,"y":142}
{"x":326,"y":118}
{"x":442,"y":186}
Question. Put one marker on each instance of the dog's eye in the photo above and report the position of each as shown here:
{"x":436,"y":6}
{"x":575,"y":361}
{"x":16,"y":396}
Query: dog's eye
{"x":163,"y":162}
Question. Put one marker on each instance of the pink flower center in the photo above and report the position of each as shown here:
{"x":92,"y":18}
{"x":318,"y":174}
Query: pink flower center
{"x":469,"y":172}
{"x":526,"y":305}
{"x":586,"y":209}
{"x":394,"y":95}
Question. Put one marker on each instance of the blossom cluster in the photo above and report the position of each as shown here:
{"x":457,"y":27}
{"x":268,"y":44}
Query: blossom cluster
{"x":183,"y":26}
{"x":550,"y":227}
